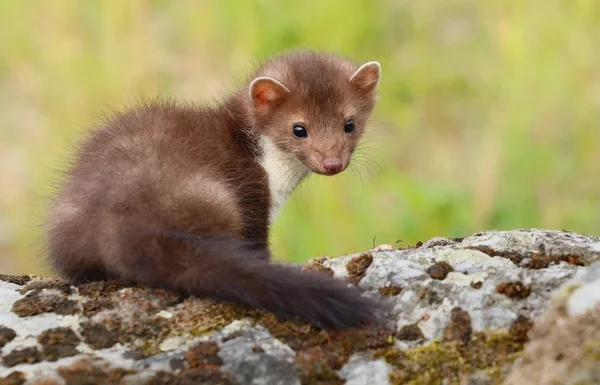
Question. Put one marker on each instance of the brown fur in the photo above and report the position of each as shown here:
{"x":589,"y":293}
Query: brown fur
{"x":321,"y":101}
{"x":175,"y":196}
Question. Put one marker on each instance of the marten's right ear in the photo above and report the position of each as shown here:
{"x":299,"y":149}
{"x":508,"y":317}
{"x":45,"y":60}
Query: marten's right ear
{"x":267,"y":92}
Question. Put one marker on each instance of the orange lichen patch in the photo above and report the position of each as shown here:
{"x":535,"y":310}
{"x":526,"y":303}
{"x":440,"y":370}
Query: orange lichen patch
{"x":6,"y":335}
{"x":15,"y":378}
{"x":58,"y":343}
{"x":29,"y":355}
{"x":97,"y":288}
{"x":97,"y":336}
{"x":410,"y":333}
{"x":459,"y":328}
{"x":85,"y":372}
{"x":537,"y":260}
{"x":357,"y":267}
{"x":48,"y":283}
{"x":542,"y":260}
{"x":318,"y":266}
{"x":520,"y":328}
{"x":391,"y":290}
{"x":196,"y":316}
{"x":516,"y":289}
{"x":203,"y":354}
{"x":516,"y":258}
{"x":16,"y":279}
{"x":35,"y":302}
{"x":439,"y":270}
{"x":316,"y":367}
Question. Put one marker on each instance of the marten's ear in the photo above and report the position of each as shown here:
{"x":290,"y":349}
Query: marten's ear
{"x":366,"y":78}
{"x":267,"y":92}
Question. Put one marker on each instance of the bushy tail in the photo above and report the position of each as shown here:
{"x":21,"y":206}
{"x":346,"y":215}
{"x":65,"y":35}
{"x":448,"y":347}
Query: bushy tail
{"x":230,"y":270}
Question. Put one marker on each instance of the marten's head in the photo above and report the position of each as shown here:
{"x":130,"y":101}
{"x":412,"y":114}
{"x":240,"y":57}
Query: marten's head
{"x":313,"y":107}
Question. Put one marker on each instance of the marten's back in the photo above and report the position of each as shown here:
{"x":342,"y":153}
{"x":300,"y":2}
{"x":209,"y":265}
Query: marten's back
{"x":159,"y":167}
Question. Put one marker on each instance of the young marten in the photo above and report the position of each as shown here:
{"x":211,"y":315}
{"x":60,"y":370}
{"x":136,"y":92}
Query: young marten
{"x":181,"y":197}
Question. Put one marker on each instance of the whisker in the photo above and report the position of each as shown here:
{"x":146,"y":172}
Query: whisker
{"x":356,"y":173}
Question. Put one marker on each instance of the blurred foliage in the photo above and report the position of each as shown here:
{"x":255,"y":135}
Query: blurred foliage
{"x":488,"y":117}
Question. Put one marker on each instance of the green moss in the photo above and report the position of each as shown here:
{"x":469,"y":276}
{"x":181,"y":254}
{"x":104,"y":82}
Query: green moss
{"x":591,"y":350}
{"x":438,"y":360}
{"x":319,"y":353}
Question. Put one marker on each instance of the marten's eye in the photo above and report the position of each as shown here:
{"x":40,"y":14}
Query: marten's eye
{"x":349,"y":126}
{"x":300,"y":132}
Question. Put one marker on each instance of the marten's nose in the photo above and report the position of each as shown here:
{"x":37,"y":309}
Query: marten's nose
{"x":332,"y":166}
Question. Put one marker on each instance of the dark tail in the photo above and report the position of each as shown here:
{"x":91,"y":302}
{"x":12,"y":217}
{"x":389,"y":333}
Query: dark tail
{"x":230,"y":270}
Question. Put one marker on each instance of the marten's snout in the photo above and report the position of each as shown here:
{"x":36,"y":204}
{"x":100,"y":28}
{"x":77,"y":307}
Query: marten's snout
{"x":332,"y":166}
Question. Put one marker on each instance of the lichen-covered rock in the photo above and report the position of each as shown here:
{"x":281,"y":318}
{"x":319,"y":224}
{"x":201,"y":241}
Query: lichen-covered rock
{"x":565,"y":343}
{"x":458,"y":311}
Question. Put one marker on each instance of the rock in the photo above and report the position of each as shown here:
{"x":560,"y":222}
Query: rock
{"x":362,"y":369}
{"x":565,"y":341}
{"x":253,"y":356}
{"x":457,"y":310}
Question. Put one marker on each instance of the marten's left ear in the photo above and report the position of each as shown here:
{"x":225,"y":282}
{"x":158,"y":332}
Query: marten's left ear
{"x":266,"y":92}
{"x":366,"y":78}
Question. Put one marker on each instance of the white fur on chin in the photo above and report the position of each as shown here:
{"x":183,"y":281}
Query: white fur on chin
{"x":284,"y":173}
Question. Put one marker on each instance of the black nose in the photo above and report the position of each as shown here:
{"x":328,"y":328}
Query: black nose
{"x":332,"y":166}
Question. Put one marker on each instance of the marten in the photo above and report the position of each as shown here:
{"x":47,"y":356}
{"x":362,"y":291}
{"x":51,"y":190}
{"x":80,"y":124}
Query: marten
{"x":181,"y":197}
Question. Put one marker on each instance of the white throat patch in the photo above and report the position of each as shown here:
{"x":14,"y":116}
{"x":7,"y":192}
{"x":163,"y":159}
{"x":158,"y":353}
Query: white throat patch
{"x":284,"y":173}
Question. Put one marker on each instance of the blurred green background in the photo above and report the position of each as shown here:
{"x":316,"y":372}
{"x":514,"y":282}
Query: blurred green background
{"x":488,"y":117}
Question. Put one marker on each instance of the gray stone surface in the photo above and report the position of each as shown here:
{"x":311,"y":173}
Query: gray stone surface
{"x":457,"y":311}
{"x":361,"y":369}
{"x":487,"y":308}
{"x":565,"y":344}
{"x":254,"y":357}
